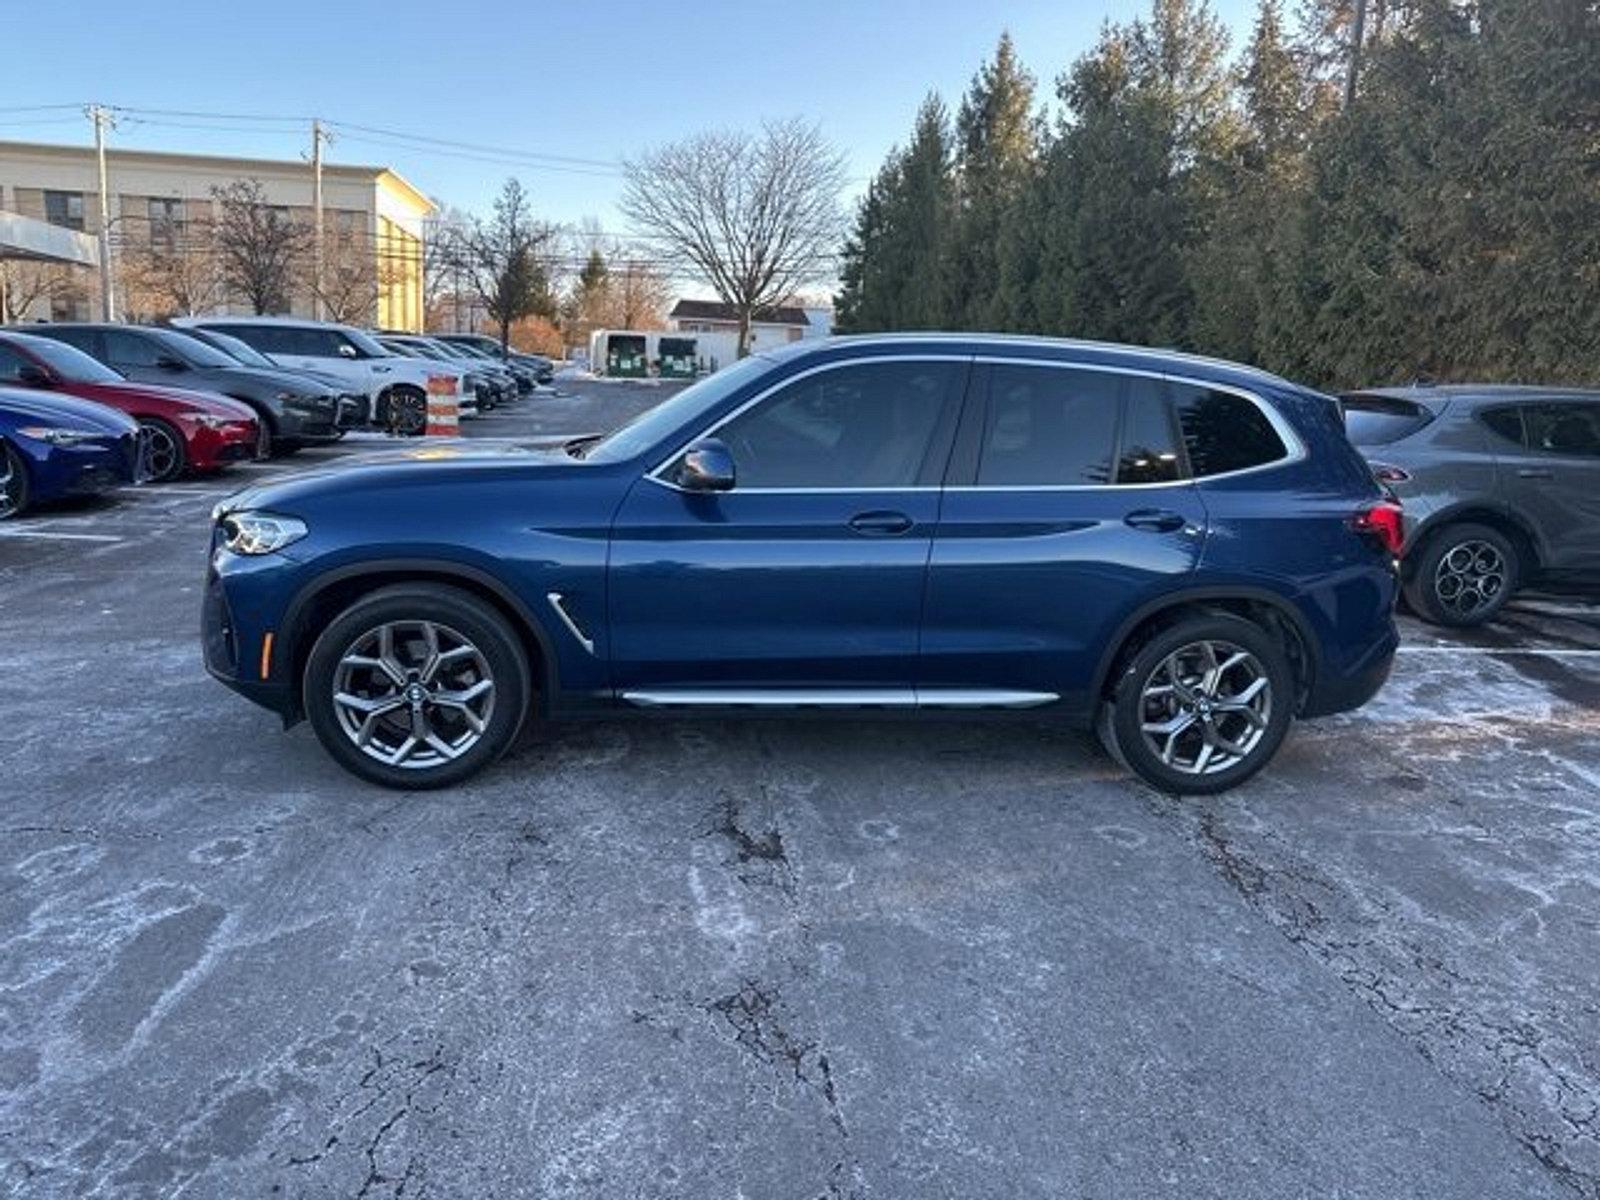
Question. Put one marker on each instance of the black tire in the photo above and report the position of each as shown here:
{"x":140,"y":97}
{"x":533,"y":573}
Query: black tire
{"x":1463,"y":576}
{"x":458,"y":619}
{"x":15,"y":492}
{"x":405,"y":412}
{"x":1131,"y":706}
{"x":168,"y":459}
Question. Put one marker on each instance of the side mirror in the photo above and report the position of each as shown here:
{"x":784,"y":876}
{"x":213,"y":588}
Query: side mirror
{"x":346,"y":350}
{"x":168,"y":362}
{"x":707,"y":467}
{"x":31,"y":375}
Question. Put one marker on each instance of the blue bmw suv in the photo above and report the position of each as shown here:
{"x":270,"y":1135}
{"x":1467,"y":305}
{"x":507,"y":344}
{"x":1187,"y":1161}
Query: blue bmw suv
{"x":1187,"y":553}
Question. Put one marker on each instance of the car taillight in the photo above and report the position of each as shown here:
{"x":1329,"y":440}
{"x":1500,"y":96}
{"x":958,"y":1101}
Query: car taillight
{"x":1387,"y":473}
{"x":1382,"y":521}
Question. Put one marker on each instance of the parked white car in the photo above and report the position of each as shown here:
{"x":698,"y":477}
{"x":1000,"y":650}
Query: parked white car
{"x":398,"y":387}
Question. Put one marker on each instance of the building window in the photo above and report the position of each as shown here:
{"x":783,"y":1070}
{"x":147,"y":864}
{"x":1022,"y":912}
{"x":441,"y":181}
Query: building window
{"x":69,"y":307}
{"x":166,"y":223}
{"x":64,"y":208}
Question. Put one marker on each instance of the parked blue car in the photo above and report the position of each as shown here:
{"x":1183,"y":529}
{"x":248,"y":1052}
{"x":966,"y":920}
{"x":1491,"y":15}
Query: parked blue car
{"x":53,"y":446}
{"x":1187,"y":552}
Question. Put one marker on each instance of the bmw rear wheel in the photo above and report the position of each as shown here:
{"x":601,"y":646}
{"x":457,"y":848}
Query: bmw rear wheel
{"x":1202,"y":706}
{"x":417,"y":686}
{"x":13,"y":483}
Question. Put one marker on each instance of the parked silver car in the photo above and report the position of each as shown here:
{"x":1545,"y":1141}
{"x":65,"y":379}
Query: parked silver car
{"x":1500,"y":486}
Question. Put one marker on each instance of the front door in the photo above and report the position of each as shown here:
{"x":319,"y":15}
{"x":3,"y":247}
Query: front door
{"x":804,"y":581}
{"x":1067,"y":500}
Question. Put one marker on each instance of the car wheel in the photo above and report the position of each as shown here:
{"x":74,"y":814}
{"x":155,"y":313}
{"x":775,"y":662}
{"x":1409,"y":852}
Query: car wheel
{"x":406,"y":414}
{"x":1202,"y":706}
{"x":1464,"y":575}
{"x":417,"y":686}
{"x":163,"y":449}
{"x":13,"y":483}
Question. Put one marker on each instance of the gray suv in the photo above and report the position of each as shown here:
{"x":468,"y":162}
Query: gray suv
{"x":1500,"y":487}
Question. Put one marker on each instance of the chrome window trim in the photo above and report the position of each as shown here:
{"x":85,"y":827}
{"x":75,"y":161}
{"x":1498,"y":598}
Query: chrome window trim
{"x":1294,"y":447}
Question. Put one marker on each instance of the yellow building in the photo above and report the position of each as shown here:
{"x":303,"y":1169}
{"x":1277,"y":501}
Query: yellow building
{"x":163,"y":232}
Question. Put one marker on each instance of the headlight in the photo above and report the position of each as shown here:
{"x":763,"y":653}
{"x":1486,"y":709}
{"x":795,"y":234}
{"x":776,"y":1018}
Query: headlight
{"x":260,"y":533}
{"x":209,"y":420}
{"x":57,"y":437}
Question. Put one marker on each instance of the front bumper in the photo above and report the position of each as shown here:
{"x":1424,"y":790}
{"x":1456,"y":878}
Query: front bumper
{"x":236,"y":630}
{"x":310,"y":418}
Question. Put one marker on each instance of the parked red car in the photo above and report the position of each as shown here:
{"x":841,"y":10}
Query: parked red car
{"x":183,"y":430}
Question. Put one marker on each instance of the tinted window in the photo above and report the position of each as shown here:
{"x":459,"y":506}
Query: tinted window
{"x":1049,"y":425}
{"x":1507,"y":422}
{"x":863,"y":426}
{"x":71,"y":363}
{"x":240,"y":350}
{"x":1148,"y":452}
{"x":1224,"y":432}
{"x":1379,"y":420}
{"x":1571,"y":428}
{"x":11,"y":364}
{"x":131,"y":349}
{"x":83,"y":339}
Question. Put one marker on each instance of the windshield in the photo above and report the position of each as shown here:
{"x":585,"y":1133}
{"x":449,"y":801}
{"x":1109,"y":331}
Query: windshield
{"x":367,"y":345}
{"x":651,"y":426}
{"x":243,"y":351}
{"x":69,"y":362}
{"x":405,"y":349}
{"x":196,"y":352}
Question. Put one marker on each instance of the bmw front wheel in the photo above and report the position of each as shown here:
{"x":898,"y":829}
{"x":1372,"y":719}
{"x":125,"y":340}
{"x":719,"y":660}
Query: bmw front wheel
{"x":417,"y":686}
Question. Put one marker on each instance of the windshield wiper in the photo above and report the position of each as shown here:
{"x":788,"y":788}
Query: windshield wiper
{"x":579,"y":446}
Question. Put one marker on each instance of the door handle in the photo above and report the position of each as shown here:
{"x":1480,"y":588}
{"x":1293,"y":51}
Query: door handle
{"x":1157,"y":520}
{"x":1535,"y":473}
{"x":880,"y":524}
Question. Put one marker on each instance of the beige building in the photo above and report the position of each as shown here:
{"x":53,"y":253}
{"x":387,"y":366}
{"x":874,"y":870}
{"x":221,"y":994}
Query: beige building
{"x":163,"y":233}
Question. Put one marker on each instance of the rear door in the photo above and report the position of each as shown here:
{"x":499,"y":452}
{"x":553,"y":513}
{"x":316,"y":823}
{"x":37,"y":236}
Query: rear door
{"x":805,"y":581}
{"x":1551,"y":474}
{"x":1067,"y":501}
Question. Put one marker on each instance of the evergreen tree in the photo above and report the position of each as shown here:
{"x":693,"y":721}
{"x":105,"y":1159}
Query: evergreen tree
{"x":893,"y":270}
{"x":995,"y":154}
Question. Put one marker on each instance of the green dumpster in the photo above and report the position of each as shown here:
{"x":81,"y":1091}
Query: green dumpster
{"x":626,"y":358}
{"x":677,"y":358}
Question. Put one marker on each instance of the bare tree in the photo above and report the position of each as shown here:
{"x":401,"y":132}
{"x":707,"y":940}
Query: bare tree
{"x":24,"y":284}
{"x":182,"y":278}
{"x":446,"y":278}
{"x":353,"y":278}
{"x":638,"y":295}
{"x":261,"y":249}
{"x":502,"y":256}
{"x":754,"y":216}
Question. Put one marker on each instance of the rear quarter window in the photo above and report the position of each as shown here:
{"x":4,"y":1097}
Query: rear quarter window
{"x":1379,"y":420}
{"x":1225,"y":432}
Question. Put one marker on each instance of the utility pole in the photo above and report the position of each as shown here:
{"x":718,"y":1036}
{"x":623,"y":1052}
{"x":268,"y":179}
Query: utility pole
{"x":101,"y":117}
{"x":318,"y":137}
{"x":1358,"y":36}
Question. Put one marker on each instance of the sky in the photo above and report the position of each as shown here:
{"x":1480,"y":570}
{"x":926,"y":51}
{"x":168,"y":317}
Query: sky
{"x":568,"y":89}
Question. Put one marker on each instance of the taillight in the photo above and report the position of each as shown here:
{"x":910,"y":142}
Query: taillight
{"x":1388,"y":473}
{"x":1382,"y":521}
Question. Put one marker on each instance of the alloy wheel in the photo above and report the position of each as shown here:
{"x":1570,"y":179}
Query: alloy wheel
{"x":1470,"y":576}
{"x":10,"y":485}
{"x":1206,"y":707}
{"x":413,"y":694}
{"x":161,"y":453}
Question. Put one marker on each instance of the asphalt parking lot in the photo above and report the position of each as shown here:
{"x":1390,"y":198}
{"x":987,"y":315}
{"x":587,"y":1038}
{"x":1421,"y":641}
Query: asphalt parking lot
{"x":775,"y":959}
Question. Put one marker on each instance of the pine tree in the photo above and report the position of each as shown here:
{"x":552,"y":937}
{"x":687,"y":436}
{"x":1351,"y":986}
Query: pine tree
{"x":995,"y":153}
